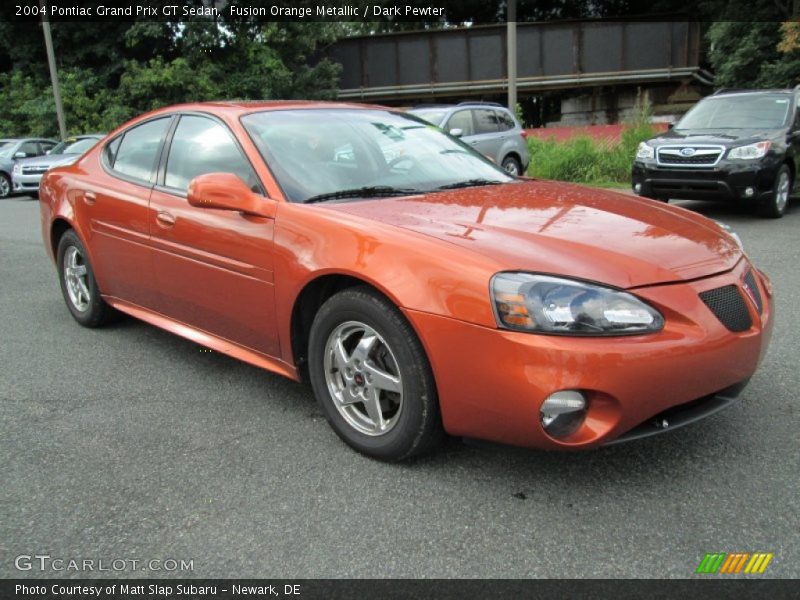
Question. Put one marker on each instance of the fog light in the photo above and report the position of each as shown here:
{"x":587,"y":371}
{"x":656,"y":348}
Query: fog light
{"x":562,"y":412}
{"x":637,"y":187}
{"x":748,"y":191}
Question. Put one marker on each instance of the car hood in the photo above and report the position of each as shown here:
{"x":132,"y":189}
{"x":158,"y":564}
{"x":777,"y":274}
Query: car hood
{"x":53,"y":160}
{"x":565,"y":229}
{"x":722,"y":137}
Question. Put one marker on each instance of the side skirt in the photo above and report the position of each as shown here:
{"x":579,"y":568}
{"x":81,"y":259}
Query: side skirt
{"x":204,"y":338}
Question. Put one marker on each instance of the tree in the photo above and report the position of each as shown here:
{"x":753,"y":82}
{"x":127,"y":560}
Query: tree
{"x":747,"y":55}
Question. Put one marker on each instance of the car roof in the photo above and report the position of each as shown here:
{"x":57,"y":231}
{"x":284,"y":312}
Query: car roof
{"x":242,"y":107}
{"x":737,"y":92}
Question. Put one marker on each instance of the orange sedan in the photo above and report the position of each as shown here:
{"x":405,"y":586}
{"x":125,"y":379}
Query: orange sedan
{"x":415,"y":284}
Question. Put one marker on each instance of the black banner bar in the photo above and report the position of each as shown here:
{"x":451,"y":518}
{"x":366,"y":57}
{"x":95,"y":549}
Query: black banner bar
{"x":335,"y":589}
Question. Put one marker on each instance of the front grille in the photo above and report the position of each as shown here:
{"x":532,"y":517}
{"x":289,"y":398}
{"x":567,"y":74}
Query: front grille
{"x":33,"y":170}
{"x":750,"y":282}
{"x":703,"y":156}
{"x":727,"y":304}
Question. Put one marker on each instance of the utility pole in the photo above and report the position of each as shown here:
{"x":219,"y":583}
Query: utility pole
{"x":511,"y":52}
{"x":51,"y":61}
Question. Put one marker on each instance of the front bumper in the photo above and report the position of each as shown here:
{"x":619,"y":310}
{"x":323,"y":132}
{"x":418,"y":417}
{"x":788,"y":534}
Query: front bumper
{"x":492,"y":382}
{"x":726,"y":181}
{"x":26,"y":183}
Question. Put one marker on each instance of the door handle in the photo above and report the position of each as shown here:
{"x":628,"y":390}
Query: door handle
{"x":165,"y":220}
{"x":89,"y":197}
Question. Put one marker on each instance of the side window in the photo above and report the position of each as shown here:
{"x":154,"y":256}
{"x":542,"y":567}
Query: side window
{"x":29,"y":148}
{"x":505,"y":121}
{"x":138,"y":150}
{"x":485,"y":121}
{"x":110,"y":151}
{"x":201,"y":146}
{"x":461,"y":120}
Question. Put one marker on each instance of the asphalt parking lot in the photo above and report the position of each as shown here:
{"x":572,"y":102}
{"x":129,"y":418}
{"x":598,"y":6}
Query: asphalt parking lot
{"x":131,"y":443}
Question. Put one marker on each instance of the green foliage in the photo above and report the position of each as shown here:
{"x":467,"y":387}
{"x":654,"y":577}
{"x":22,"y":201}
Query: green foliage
{"x":583,"y":159}
{"x":747,"y":55}
{"x":110,"y":72}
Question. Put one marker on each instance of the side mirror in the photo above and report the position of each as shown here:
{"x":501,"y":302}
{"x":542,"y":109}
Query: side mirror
{"x":20,"y":155}
{"x":227,"y":191}
{"x":670,"y":126}
{"x":456,"y":132}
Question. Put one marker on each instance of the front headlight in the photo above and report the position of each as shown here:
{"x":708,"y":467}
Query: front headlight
{"x":751,"y":151}
{"x":645,"y":150}
{"x":546,"y":304}
{"x":17,"y":169}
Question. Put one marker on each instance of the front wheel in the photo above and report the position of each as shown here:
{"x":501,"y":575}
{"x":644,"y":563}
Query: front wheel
{"x":774,"y":207}
{"x":372,"y":378}
{"x":5,"y":185}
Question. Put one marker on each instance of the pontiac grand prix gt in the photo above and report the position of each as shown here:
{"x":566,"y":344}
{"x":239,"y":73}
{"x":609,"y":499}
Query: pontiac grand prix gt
{"x":417,"y":286}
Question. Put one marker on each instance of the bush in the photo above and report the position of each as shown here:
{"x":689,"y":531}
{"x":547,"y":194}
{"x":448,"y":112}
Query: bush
{"x":583,"y":159}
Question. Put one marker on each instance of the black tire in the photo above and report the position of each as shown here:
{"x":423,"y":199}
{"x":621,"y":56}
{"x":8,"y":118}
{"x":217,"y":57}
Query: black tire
{"x":96,"y":312}
{"x":417,"y":428}
{"x":509,"y":163}
{"x":5,"y":185}
{"x":775,"y":206}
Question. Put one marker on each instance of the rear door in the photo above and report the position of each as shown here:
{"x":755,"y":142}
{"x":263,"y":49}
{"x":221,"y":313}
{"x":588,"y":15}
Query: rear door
{"x":116,"y":209}
{"x":487,"y":139}
{"x":213,"y":268}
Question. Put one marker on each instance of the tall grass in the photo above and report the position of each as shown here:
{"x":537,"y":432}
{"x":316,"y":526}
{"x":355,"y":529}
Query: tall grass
{"x":583,"y":159}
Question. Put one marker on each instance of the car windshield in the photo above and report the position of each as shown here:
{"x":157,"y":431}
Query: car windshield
{"x":6,"y":148}
{"x":431,"y":115}
{"x":73,"y":146}
{"x":738,"y":111}
{"x":321,"y":153}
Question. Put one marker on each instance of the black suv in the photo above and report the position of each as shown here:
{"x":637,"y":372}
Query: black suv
{"x":736,"y":145}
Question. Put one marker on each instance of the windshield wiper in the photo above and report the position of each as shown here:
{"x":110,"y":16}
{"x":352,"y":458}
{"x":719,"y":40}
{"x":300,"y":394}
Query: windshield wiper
{"x":468,"y":183}
{"x":362,"y":192}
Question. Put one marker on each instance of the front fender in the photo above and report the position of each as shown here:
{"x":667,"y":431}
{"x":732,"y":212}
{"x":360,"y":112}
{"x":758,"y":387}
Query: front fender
{"x":415,"y":271}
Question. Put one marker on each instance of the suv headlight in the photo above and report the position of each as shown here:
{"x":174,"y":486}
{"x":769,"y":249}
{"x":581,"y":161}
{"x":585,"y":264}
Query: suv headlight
{"x":17,"y":169}
{"x":751,"y":151}
{"x":645,"y":150}
{"x":552,"y":305}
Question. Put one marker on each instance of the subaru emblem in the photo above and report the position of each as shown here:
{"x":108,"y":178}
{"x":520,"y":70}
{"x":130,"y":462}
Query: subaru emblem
{"x":687,"y":151}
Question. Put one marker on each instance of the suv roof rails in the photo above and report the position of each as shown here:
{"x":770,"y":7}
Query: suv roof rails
{"x":753,"y":91}
{"x":479,"y":103}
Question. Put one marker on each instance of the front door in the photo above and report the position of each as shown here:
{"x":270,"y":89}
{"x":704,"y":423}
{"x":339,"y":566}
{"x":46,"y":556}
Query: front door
{"x":213,"y":268}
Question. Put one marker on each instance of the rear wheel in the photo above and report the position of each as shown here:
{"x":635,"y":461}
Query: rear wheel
{"x":372,"y":378}
{"x":78,"y":283}
{"x":512,"y":166}
{"x":774,"y":207}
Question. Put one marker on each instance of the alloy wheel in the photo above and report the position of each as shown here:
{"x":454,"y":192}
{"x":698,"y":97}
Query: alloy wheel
{"x":782,"y":191}
{"x":75,"y":276}
{"x":363,"y":378}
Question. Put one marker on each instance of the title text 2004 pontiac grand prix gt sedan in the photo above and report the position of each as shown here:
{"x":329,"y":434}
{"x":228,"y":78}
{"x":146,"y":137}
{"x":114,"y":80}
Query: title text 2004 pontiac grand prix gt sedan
{"x":418,"y":287}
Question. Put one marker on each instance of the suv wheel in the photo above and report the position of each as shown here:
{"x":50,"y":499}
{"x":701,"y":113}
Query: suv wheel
{"x":372,"y":378}
{"x":512,"y":166}
{"x":775,"y":206}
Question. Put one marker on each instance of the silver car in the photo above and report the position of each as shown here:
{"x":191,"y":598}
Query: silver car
{"x":14,"y":149}
{"x":28,"y":172}
{"x":488,"y":127}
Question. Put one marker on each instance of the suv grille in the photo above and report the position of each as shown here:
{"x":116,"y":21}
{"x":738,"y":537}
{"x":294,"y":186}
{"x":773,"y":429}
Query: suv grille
{"x":700,"y":156}
{"x":752,"y":289}
{"x":729,"y":307}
